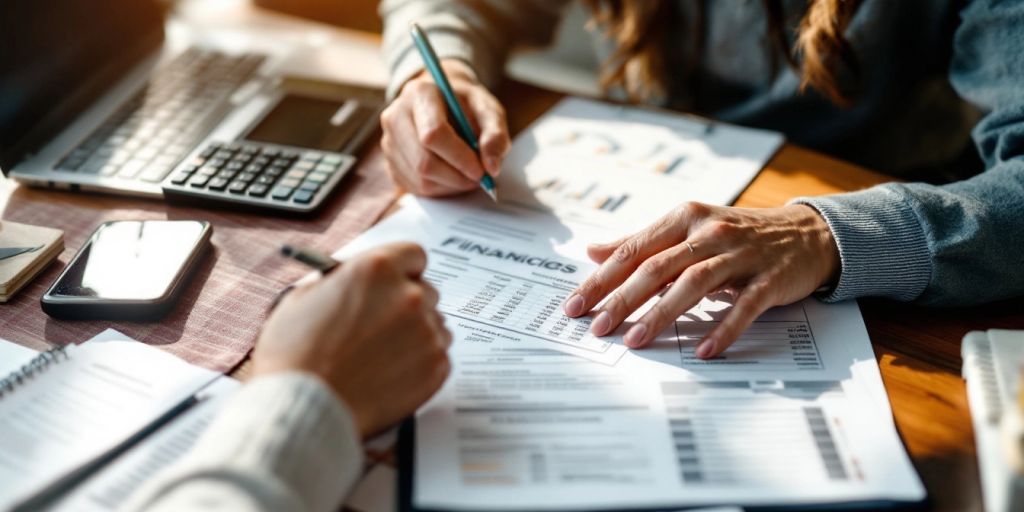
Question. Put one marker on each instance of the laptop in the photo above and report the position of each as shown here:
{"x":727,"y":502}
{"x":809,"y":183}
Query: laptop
{"x":137,"y":101}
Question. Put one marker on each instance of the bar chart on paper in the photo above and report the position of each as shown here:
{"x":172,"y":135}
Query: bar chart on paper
{"x":589,"y":194}
{"x":607,"y":164}
{"x":778,"y":429}
{"x":780,"y":340}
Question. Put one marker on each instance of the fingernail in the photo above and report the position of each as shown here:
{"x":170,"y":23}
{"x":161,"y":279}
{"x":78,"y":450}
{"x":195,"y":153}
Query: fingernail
{"x":492,"y":165}
{"x":574,"y":306}
{"x":705,"y":348}
{"x":601,"y":324}
{"x":635,"y":335}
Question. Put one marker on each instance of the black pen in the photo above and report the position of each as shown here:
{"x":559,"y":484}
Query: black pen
{"x":314,"y":259}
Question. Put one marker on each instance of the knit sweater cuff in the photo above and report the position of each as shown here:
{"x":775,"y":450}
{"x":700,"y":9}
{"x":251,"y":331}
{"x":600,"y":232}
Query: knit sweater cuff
{"x":450,"y":41}
{"x":882,"y":245}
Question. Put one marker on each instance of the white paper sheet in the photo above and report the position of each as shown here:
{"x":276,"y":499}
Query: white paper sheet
{"x":110,"y":488}
{"x":795,"y":413}
{"x":107,"y":389}
{"x":607,"y":165}
{"x":13,"y":356}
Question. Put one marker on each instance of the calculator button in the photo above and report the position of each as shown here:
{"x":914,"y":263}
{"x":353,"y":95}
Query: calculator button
{"x":223,"y":154}
{"x":261,"y":160}
{"x":271,"y":153}
{"x":312,"y":156}
{"x":216,"y":162}
{"x":328,"y":168}
{"x":289,"y":182}
{"x":234,"y":165}
{"x":281,"y":193}
{"x":332,"y":159}
{"x":234,"y":146}
{"x":296,"y":173}
{"x":198,"y":181}
{"x":109,"y":170}
{"x":226,"y":174}
{"x":246,"y":177}
{"x":265,"y":180}
{"x":207,"y":170}
{"x":289,"y":155}
{"x":181,"y":178}
{"x":237,"y":187}
{"x":304,"y":196}
{"x":258,"y":190}
{"x":253,"y":168}
{"x":317,"y":177}
{"x":274,"y":170}
{"x":309,"y":185}
{"x":249,"y":151}
{"x":218,"y":184}
{"x":303,"y":165}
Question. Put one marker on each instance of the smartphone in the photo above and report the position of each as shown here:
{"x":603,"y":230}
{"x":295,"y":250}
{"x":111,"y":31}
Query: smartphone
{"x":128,"y":270}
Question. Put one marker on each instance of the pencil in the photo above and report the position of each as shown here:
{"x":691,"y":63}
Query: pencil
{"x":462,"y":125}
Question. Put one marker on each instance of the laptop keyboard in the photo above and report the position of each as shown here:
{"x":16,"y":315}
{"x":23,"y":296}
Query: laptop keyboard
{"x":155,"y":129}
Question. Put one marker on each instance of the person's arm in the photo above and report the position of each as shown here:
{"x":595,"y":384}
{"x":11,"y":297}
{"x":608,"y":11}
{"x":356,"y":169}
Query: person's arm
{"x":962,"y":243}
{"x":949,"y":245}
{"x":424,"y":154}
{"x":283,"y":442}
{"x":479,"y":33}
{"x":337,"y":361}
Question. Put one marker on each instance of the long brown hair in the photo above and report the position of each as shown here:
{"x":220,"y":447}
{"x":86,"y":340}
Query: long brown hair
{"x":641,"y":31}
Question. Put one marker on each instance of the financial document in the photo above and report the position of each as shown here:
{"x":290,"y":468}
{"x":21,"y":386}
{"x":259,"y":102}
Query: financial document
{"x":539,"y":414}
{"x":607,"y":164}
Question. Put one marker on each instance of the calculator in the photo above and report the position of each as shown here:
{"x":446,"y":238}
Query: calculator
{"x":258,"y":175}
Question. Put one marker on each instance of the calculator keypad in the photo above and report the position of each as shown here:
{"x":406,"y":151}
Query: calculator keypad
{"x":259,"y":172}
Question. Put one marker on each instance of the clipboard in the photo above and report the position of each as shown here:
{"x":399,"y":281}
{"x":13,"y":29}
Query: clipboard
{"x":406,"y":453}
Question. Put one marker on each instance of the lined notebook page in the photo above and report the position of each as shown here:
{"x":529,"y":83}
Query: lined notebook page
{"x":80,"y":408}
{"x":110,"y":488}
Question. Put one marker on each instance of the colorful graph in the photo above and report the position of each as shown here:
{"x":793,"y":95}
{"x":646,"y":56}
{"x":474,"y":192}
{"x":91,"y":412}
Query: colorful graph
{"x":657,"y":157}
{"x":588,"y":194}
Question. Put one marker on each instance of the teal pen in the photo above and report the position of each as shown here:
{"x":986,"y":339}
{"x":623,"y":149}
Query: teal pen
{"x":462,"y":125}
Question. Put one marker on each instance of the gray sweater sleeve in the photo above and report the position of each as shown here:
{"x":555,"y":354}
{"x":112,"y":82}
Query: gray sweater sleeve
{"x":961,"y":243}
{"x":479,"y":32}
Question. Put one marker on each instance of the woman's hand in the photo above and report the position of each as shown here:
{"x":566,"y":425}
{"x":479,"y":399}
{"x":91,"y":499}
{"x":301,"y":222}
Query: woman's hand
{"x":425,"y":154}
{"x":370,"y":329}
{"x":764,"y":257}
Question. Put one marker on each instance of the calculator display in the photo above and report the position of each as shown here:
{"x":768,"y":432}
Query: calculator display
{"x":312,"y":123}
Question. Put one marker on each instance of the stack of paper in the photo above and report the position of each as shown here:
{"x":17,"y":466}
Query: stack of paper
{"x":538,"y":414}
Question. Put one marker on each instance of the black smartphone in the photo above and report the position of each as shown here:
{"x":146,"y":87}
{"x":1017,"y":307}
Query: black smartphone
{"x":128,"y":270}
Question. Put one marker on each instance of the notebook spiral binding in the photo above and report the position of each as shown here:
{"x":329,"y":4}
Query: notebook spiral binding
{"x":37,"y":365}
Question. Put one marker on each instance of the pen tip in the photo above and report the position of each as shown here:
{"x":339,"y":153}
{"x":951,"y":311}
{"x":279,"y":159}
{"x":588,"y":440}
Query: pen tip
{"x":492,"y":193}
{"x":287,"y":250}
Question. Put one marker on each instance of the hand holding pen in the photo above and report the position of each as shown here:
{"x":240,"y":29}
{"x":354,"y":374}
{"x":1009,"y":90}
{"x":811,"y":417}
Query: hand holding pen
{"x":426,"y":151}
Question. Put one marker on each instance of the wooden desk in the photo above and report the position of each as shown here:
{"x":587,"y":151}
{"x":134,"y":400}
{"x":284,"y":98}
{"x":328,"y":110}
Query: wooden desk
{"x":917,"y":349}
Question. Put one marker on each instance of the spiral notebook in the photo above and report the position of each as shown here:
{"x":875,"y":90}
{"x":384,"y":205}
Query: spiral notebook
{"x":67,"y":411}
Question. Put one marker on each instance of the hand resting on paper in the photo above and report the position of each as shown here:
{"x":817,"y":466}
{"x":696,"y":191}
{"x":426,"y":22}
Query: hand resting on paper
{"x":762,"y":257}
{"x":424,"y":152}
{"x":369,"y":329}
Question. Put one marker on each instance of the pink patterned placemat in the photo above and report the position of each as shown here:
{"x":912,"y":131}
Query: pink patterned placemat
{"x":219,"y":314}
